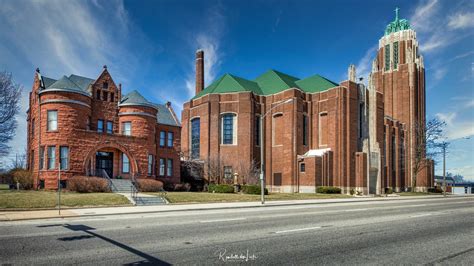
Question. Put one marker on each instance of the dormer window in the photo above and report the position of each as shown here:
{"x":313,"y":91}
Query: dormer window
{"x":105,"y":85}
{"x":97,"y":95}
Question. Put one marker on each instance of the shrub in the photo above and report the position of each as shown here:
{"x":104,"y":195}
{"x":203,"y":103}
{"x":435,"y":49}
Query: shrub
{"x":220,"y":188}
{"x":23,"y":177}
{"x":388,"y":190}
{"x":149,"y":185}
{"x":435,"y":190}
{"x":182,"y":187}
{"x":328,"y":190}
{"x":86,"y":184}
{"x":252,"y":189}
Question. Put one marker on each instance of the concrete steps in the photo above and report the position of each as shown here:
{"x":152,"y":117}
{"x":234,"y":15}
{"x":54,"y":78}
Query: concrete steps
{"x":124,"y":187}
{"x":121,"y":185}
{"x":148,"y":201}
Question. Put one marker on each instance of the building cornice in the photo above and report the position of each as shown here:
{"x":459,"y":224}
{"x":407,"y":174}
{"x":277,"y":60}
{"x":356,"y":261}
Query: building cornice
{"x":65,"y":101}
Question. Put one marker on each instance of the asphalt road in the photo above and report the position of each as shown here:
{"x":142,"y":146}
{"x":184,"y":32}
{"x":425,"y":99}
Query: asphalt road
{"x":421,"y":231}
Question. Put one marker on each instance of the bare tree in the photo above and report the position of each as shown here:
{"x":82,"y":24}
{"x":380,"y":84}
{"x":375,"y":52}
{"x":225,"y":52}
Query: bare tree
{"x":9,"y":107}
{"x":248,"y":172}
{"x":18,"y":162}
{"x":427,"y":144}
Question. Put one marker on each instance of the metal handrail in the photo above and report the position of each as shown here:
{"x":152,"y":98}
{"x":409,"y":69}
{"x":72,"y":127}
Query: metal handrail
{"x":106,"y":176}
{"x":133,"y":188}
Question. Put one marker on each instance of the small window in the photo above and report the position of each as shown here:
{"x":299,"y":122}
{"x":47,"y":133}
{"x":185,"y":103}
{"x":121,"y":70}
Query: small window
{"x":150,"y":164}
{"x":105,"y":85}
{"x":97,"y":95}
{"x":110,"y":127}
{"x":105,"y":96}
{"x":100,"y":125}
{"x":52,"y":120}
{"x":170,"y":139}
{"x":302,"y":167}
{"x":169,"y":167}
{"x":277,"y":179}
{"x":162,"y":138}
{"x":41,"y":157}
{"x":162,"y":167}
{"x":227,"y":172}
{"x":112,"y":95}
{"x":125,"y":164}
{"x":51,"y":157}
{"x":127,"y":128}
{"x":64,"y":157}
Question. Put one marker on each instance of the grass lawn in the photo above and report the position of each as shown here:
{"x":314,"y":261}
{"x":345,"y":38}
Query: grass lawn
{"x":48,"y":199}
{"x":203,"y":197}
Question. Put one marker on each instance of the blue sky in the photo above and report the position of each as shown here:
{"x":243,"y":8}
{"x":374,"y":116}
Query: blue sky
{"x":150,"y":45}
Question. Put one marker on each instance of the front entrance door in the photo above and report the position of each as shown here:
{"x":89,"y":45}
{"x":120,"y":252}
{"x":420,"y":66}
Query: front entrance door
{"x":104,"y":161}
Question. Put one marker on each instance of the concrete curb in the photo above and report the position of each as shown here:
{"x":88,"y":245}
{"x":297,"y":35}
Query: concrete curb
{"x":277,"y":204}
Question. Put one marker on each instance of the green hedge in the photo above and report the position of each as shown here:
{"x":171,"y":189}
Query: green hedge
{"x":252,"y":189}
{"x":213,"y":188}
{"x":328,"y":190}
{"x":435,"y":190}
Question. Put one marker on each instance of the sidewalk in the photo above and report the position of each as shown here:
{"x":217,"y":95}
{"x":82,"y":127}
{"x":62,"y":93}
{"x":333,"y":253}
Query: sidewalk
{"x":67,"y":213}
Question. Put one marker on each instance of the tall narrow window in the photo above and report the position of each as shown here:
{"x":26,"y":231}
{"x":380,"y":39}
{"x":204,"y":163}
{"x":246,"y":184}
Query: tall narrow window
{"x":32,"y":162}
{"x":277,"y":125}
{"x":41,"y":157}
{"x":33,"y":127}
{"x":110,"y":127}
{"x":127,"y":128}
{"x":97,"y":94}
{"x":150,"y":164}
{"x":257,"y":131}
{"x":361,"y":119}
{"x":195,"y":137}
{"x":323,"y":129}
{"x":52,"y":120}
{"x":105,"y":85}
{"x":100,"y":125}
{"x":105,"y":95}
{"x":125,"y":164}
{"x":387,"y":57}
{"x":228,"y":172}
{"x":162,"y":167}
{"x":112,"y":95}
{"x":51,"y":157}
{"x":305,"y":130}
{"x":169,"y":167}
{"x":64,"y":157}
{"x":395,"y":55}
{"x":170,"y":139}
{"x":162,"y":138}
{"x":228,"y":128}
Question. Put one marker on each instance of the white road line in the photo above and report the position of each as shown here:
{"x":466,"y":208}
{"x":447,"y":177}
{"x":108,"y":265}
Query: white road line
{"x":421,"y":215}
{"x":299,"y":229}
{"x":356,"y":210}
{"x":222,"y":220}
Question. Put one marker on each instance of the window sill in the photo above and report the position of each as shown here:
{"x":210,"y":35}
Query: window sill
{"x":228,"y":144}
{"x":52,"y":131}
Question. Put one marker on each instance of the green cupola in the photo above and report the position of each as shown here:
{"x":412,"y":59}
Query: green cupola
{"x":397,"y":24}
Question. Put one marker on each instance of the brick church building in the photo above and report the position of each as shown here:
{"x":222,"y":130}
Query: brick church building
{"x":82,"y":126}
{"x":318,"y":132}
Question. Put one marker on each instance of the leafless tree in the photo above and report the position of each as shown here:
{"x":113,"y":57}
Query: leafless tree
{"x":18,"y":162}
{"x":427,"y":139}
{"x":248,"y":172}
{"x":9,"y":106}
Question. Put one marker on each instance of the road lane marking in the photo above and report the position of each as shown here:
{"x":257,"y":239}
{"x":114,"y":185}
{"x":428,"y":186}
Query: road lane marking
{"x":356,"y":210}
{"x":421,"y":215}
{"x":222,"y":220}
{"x":297,"y":230}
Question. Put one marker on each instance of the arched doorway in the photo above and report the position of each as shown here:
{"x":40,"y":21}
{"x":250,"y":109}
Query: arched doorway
{"x":112,"y":160}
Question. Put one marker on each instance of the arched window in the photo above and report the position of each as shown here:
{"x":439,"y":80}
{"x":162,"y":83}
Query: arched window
{"x":195,"y":137}
{"x":229,"y":128}
{"x":277,"y":126}
{"x":125,"y":164}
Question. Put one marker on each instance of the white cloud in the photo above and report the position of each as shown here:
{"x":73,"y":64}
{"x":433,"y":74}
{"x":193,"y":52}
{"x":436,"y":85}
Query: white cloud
{"x":440,"y":73}
{"x":65,"y":37}
{"x":424,"y":12}
{"x":209,"y":41}
{"x":364,"y":67}
{"x":456,"y":128}
{"x":461,"y":20}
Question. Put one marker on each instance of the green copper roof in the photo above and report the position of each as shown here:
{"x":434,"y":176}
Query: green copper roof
{"x":273,"y":81}
{"x":135,"y":98}
{"x":315,"y":83}
{"x":230,"y":83}
{"x":397,"y":24}
{"x":268,"y":83}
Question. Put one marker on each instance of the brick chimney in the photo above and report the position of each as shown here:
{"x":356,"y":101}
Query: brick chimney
{"x":199,"y":71}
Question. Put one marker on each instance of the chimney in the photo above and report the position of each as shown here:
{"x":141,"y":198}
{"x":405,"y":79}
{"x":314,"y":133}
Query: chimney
{"x":199,"y":71}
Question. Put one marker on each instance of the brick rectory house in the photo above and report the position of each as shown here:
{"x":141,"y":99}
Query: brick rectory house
{"x":83,"y":126}
{"x":318,"y":132}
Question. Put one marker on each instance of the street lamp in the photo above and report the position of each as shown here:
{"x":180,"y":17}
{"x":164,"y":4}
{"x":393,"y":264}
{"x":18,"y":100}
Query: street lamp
{"x":262,"y":165}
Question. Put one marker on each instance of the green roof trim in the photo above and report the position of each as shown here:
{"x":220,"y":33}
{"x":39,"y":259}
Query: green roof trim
{"x":270,"y":82}
{"x":315,"y":83}
{"x":273,"y":81}
{"x":397,"y":24}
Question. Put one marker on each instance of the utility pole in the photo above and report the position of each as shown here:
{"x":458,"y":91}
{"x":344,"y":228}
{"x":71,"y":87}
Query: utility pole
{"x":59,"y":188}
{"x":444,"y":166}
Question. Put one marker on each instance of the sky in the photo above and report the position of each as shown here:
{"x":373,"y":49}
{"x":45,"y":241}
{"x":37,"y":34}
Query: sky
{"x":150,"y":46}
